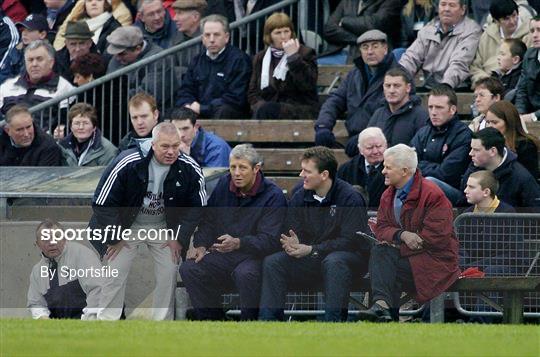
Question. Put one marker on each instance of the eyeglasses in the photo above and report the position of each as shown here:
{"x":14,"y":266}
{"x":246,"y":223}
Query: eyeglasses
{"x":81,"y":124}
{"x":373,"y":46}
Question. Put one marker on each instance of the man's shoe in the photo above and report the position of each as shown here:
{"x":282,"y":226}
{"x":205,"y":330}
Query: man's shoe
{"x":376,"y":313}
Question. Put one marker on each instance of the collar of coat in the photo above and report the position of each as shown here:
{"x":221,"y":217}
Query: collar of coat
{"x":49,"y":82}
{"x":415,"y":190}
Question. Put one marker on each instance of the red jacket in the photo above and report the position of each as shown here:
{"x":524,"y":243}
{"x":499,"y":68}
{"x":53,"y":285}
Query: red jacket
{"x":428,"y":213}
{"x":15,"y":10}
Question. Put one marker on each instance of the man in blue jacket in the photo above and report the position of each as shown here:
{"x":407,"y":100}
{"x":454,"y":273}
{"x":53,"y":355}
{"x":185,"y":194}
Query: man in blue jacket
{"x":320,"y":244}
{"x":359,"y":95}
{"x":216,"y":83}
{"x":443,"y":145}
{"x":241,"y":225}
{"x":208,"y":149}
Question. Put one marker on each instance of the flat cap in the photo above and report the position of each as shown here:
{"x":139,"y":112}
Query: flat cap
{"x":123,"y":38}
{"x":199,"y":5}
{"x":372,"y":35}
{"x":78,"y":30}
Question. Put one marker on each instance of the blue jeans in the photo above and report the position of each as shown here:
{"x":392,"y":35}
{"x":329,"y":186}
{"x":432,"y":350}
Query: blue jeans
{"x":453,"y":194}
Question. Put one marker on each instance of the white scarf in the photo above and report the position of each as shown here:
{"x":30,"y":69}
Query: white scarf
{"x":96,"y":24}
{"x":280,"y":72}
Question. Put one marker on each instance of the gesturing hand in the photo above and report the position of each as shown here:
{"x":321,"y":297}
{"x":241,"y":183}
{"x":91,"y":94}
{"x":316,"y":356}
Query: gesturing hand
{"x":227,"y":244}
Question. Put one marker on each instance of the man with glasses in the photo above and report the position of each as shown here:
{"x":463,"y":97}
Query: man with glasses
{"x":127,"y":45}
{"x":359,"y":95}
{"x":156,"y":23}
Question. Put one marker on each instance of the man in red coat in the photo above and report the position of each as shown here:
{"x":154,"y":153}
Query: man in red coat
{"x":417,"y":250}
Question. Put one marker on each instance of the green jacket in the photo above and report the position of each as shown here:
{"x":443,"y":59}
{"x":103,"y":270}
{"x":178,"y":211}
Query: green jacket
{"x":100,"y":151}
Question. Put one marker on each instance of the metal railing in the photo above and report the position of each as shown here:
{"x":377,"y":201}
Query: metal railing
{"x":161,"y":74}
{"x":500,"y":245}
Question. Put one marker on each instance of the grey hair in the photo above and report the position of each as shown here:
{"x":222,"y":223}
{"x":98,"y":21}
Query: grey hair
{"x":166,"y":128}
{"x":404,"y":156}
{"x":216,"y":18}
{"x":371,"y":132}
{"x":41,"y":43}
{"x":246,"y":152}
{"x":140,"y":3}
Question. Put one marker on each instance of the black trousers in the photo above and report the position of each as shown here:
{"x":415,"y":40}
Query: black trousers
{"x":390,"y":274}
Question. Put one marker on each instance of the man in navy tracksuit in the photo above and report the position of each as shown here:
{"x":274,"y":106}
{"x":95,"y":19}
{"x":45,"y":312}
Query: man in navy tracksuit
{"x":241,"y":225}
{"x":321,"y":243}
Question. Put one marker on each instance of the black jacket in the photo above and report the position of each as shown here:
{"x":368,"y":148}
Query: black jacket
{"x":357,"y":96}
{"x":122,"y":187}
{"x":443,"y":152}
{"x":213,"y":83}
{"x":354,"y":172}
{"x":62,"y":62}
{"x":517,"y":187}
{"x":42,"y":152}
{"x":108,"y":27}
{"x":331,"y":225}
{"x":256,"y":220}
{"x":401,"y":126}
{"x":528,"y":87}
{"x":509,"y":80}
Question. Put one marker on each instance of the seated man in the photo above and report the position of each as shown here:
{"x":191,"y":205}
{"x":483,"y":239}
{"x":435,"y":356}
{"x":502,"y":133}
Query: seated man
{"x":37,"y":84}
{"x":528,"y":90}
{"x":486,"y":92}
{"x":187,"y":17}
{"x":359,"y":95}
{"x":510,"y":60}
{"x":320,"y":244}
{"x":53,"y":293}
{"x":155,"y":23}
{"x":481,"y":193}
{"x":208,"y":149}
{"x":365,"y":169}
{"x":445,"y":47}
{"x":78,"y":43}
{"x":240,"y":227}
{"x":517,"y":186}
{"x":508,"y":23}
{"x":144,"y":117}
{"x":22,"y":143}
{"x":33,"y":28}
{"x":353,"y":18}
{"x":162,"y":192}
{"x":417,"y":250}
{"x":402,"y":114}
{"x":127,"y":46}
{"x":443,"y":145}
{"x":216,"y":83}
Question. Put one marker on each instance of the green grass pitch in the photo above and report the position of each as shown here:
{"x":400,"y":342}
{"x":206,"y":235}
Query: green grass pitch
{"x":182,"y":338}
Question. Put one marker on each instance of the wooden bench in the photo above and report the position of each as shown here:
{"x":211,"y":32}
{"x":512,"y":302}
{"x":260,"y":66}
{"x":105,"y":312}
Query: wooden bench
{"x":288,"y":160}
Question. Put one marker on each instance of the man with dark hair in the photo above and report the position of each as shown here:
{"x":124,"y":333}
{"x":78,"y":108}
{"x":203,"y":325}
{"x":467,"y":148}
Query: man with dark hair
{"x":137,"y":194}
{"x":320,"y":240}
{"x":402,"y":114}
{"x":155,"y":23}
{"x":359,"y":95}
{"x":22,"y":143}
{"x":352,"y":18}
{"x":487,"y":91}
{"x":216,"y":83}
{"x":510,"y":60}
{"x":445,"y":47}
{"x":442,"y":146}
{"x":240,"y":227}
{"x":208,"y":149}
{"x":517,"y":187}
{"x":365,"y":169}
{"x":528,"y":88}
{"x":508,"y":22}
{"x":55,"y":295}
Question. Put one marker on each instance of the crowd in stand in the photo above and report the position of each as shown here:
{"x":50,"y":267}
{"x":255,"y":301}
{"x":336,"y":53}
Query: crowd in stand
{"x":411,"y":163}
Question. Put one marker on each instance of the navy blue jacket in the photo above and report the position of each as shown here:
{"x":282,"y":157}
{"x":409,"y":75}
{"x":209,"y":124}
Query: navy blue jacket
{"x":517,"y":187}
{"x":122,"y":187}
{"x":163,"y":37}
{"x":209,"y":150}
{"x":9,"y":38}
{"x":401,"y":126}
{"x":443,"y":152}
{"x":357,"y":96}
{"x":256,"y":220}
{"x":354,"y":172}
{"x":331,"y":225}
{"x":213,"y":83}
{"x":528,"y":87}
